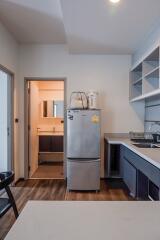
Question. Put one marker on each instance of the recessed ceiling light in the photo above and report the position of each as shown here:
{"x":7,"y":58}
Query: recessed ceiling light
{"x":114,"y":1}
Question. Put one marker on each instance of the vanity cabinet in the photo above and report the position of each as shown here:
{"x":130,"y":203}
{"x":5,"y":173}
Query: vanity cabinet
{"x":57,"y":144}
{"x":45,"y":143}
{"x":50,"y":143}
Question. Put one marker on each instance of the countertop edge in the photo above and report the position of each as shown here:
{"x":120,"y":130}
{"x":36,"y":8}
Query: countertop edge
{"x":133,"y":150}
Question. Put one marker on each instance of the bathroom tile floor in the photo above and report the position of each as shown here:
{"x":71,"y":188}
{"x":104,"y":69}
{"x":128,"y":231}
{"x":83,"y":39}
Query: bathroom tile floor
{"x":49,"y":171}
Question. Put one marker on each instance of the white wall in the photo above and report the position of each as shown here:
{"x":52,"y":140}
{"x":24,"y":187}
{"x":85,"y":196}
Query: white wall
{"x":9,"y":59}
{"x":8,"y":50}
{"x":147,"y":47}
{"x":109,"y":75}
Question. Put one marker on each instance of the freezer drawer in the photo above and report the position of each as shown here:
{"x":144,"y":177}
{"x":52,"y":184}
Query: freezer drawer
{"x":83,"y":175}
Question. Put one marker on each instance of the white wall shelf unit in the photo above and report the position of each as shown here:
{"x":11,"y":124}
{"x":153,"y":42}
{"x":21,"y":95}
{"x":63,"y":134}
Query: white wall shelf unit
{"x":136,"y":82}
{"x":145,"y":78}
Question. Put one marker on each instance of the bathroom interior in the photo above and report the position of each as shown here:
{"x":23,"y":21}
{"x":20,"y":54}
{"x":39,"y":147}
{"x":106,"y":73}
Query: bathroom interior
{"x":46,"y":129}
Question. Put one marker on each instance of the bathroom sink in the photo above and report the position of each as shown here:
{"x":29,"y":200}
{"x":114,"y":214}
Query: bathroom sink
{"x":146,"y":145}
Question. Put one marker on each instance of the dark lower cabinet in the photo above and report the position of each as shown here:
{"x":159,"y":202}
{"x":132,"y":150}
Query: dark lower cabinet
{"x":141,"y":177}
{"x":57,"y":144}
{"x":146,"y":189}
{"x":45,"y":143}
{"x":112,"y":160}
{"x":50,"y":143}
{"x":142,"y":186}
{"x":122,"y":149}
{"x":153,"y":192}
{"x":130,"y":177}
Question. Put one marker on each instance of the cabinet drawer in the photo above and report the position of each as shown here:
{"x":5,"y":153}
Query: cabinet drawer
{"x":145,"y":167}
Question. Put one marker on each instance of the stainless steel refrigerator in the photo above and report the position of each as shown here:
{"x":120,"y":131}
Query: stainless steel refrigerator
{"x":83,"y":149}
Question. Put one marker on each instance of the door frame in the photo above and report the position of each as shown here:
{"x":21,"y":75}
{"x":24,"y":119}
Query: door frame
{"x":26,"y":123}
{"x":11,"y":111}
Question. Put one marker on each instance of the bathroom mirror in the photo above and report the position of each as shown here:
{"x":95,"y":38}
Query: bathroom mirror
{"x":52,"y":109}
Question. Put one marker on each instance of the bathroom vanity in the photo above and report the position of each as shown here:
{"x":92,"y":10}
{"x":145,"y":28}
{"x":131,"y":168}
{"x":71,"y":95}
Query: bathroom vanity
{"x":51,"y":142}
{"x":50,"y":147}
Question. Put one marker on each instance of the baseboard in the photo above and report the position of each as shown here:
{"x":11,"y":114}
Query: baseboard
{"x":17,"y":181}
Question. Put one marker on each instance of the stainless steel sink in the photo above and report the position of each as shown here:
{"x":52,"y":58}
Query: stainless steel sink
{"x":146,"y":145}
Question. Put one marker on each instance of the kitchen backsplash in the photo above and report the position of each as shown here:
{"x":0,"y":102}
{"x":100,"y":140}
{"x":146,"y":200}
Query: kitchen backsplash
{"x":152,"y":114}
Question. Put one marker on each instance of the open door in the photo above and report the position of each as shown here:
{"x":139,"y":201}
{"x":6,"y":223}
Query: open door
{"x":33,"y":123}
{"x":44,"y":128}
{"x":6,"y":128}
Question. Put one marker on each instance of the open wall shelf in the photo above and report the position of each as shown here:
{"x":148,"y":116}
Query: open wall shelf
{"x":151,"y":82}
{"x":151,"y":62}
{"x":145,"y":78}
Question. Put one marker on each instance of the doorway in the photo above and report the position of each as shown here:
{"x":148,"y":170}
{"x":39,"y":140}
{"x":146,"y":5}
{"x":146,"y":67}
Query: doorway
{"x":45,"y":132}
{"x":6,"y":120}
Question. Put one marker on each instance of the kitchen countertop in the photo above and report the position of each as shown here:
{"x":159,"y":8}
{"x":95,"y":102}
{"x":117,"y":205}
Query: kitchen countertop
{"x":50,"y":133}
{"x":87,"y":220}
{"x":152,"y":155}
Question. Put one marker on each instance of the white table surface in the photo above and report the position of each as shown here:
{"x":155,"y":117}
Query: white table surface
{"x":59,"y":220}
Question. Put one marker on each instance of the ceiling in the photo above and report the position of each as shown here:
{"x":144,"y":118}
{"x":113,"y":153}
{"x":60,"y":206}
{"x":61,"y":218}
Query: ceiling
{"x":87,"y":26}
{"x":34,"y":21}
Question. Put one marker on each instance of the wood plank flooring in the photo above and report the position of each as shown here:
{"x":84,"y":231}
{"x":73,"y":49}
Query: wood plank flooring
{"x":56,"y":190}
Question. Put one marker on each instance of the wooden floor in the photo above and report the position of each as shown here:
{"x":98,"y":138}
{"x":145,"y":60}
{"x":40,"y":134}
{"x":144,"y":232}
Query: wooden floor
{"x":49,"y":171}
{"x":56,"y":190}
